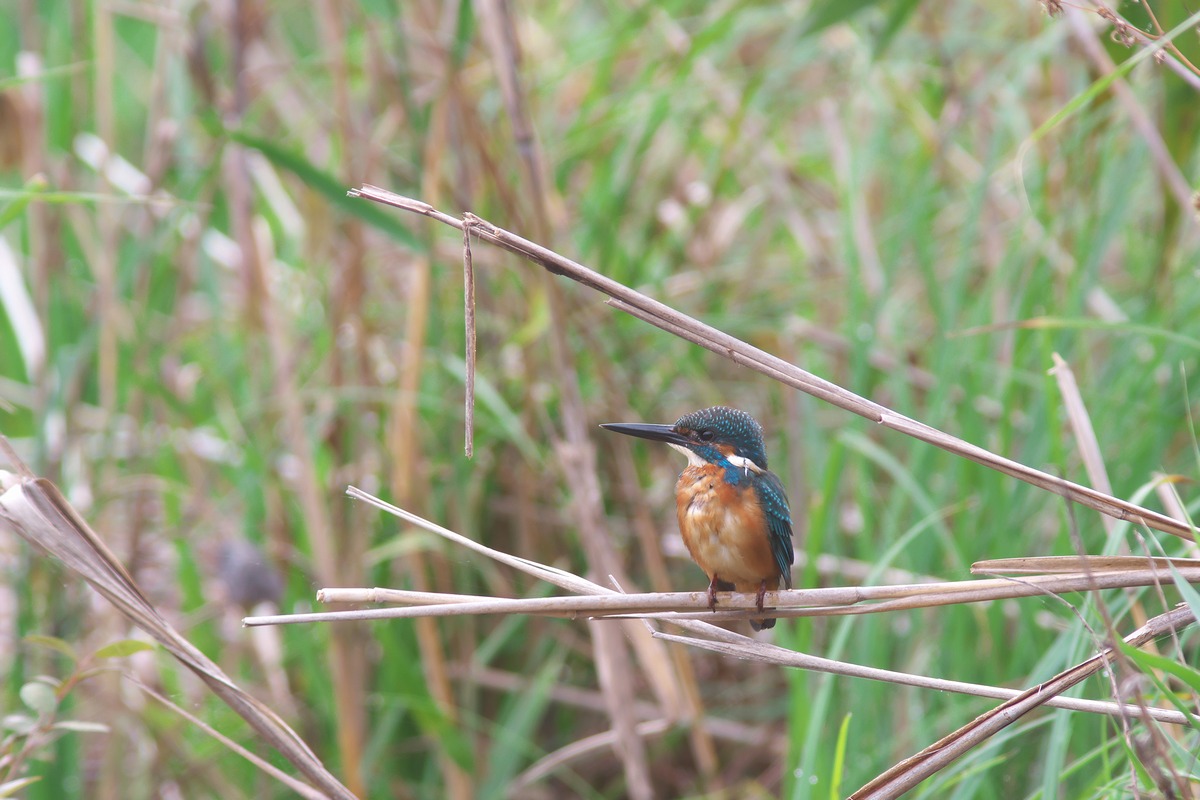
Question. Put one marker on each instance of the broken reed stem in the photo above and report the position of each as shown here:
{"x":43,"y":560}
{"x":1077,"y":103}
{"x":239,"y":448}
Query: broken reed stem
{"x":469,"y":322}
{"x":692,"y":330}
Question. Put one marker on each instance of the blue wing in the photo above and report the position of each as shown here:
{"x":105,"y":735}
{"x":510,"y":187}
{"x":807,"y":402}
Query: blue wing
{"x":779,"y":521}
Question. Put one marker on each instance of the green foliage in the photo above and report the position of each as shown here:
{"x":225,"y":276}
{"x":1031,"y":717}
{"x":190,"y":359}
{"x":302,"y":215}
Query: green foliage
{"x":923,"y":204}
{"x":29,"y":736}
{"x":839,"y":760}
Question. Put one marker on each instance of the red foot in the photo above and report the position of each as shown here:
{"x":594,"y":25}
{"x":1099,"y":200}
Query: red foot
{"x":712,"y":594}
{"x":762,"y":591}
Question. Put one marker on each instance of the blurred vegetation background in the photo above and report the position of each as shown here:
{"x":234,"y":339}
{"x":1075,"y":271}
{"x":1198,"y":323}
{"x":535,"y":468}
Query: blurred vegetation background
{"x":203,"y":341}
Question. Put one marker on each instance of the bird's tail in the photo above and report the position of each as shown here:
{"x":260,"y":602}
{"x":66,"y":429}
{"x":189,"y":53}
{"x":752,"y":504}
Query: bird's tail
{"x":759,"y":624}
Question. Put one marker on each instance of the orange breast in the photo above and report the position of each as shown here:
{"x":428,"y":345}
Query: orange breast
{"x":725,"y":529}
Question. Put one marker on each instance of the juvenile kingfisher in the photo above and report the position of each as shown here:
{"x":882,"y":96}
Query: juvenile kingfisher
{"x":733,"y":512}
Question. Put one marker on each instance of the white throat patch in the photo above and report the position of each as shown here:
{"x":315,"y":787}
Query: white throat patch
{"x":693,"y":459}
{"x":744,"y":463}
{"x":740,"y":462}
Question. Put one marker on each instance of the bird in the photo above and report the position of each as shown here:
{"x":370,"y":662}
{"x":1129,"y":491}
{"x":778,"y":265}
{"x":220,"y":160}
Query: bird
{"x":733,"y":512}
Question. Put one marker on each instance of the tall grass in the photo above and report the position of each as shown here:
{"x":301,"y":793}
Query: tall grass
{"x":229,"y":342}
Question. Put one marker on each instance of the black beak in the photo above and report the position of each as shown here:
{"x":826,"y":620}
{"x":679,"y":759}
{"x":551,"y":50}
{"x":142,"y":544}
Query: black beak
{"x":642,"y":430}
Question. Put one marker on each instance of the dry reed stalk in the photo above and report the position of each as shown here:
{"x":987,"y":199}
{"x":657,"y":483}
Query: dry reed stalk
{"x":37,"y":511}
{"x":1059,"y":565}
{"x":613,"y":672}
{"x":772,"y":654}
{"x":1175,"y":508}
{"x":1089,"y":448}
{"x":578,"y":697}
{"x":1093,"y":462}
{"x":344,"y":652}
{"x":41,"y":233}
{"x":347,"y":291}
{"x":405,"y":426}
{"x":1085,"y":434}
{"x":908,"y":773}
{"x":672,"y":321}
{"x":686,"y":703}
{"x":725,"y":641}
{"x":576,"y":454}
{"x":674,"y":606}
{"x":262,"y":309}
{"x":302,"y":789}
{"x":662,"y":316}
{"x":104,"y":265}
{"x":109,"y":323}
{"x":582,"y":748}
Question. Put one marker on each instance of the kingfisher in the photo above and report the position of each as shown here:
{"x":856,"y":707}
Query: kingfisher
{"x":733,"y":512}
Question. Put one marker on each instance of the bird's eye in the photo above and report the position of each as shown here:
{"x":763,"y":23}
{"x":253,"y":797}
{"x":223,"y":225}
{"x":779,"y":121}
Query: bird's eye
{"x":707,"y":436}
